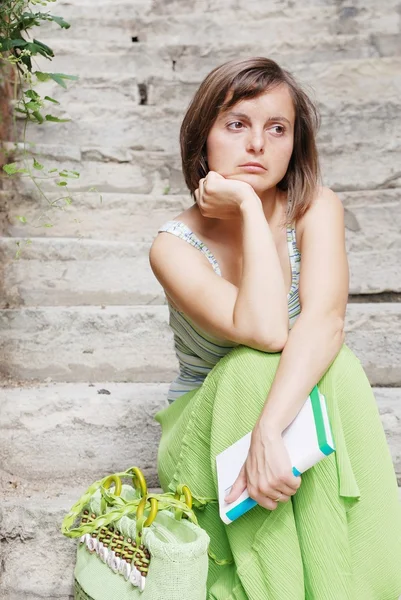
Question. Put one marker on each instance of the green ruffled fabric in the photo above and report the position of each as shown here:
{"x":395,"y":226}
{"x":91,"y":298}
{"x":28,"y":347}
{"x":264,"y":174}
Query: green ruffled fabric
{"x":339,"y":538}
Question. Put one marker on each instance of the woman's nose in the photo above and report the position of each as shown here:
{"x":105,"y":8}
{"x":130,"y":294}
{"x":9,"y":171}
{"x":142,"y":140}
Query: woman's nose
{"x":256,"y":142}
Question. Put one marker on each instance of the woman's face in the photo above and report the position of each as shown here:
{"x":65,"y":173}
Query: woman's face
{"x":257,"y":130}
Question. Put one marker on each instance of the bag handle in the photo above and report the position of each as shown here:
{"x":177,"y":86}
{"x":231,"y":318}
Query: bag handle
{"x":164,"y":501}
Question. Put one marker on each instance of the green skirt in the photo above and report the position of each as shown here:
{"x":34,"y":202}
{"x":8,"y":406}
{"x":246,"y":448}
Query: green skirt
{"x":339,"y":536}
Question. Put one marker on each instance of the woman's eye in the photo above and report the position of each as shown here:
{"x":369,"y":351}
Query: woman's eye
{"x":280,"y":127}
{"x":235,"y":123}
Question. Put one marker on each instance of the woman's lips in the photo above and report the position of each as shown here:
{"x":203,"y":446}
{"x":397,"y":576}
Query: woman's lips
{"x":253,"y":168}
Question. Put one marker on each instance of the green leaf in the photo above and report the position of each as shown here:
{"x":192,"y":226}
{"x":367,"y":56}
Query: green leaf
{"x":42,"y":76}
{"x":47,"y":224}
{"x":56,"y":119}
{"x":59,"y":78}
{"x":60,"y":21}
{"x":22,"y":219}
{"x":7,"y":44}
{"x":33,"y":105}
{"x":71,"y":174}
{"x":29,"y":19}
{"x":36,"y":47}
{"x":52,"y":170}
{"x":68,"y":200}
{"x":44,"y":47}
{"x":10,"y":168}
{"x":32,"y":94}
{"x":13,"y":168}
{"x":61,"y":183}
{"x":39,"y":118}
{"x":51,"y":100}
{"x":37,"y":165}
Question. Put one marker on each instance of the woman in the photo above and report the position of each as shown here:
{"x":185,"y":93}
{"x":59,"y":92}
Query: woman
{"x":249,"y":356}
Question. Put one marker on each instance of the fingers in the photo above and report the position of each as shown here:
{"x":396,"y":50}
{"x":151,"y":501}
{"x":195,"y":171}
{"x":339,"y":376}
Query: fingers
{"x":202,"y":186}
{"x":238,"y":487}
{"x":271,"y":494}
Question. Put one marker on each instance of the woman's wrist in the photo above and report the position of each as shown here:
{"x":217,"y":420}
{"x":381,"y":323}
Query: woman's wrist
{"x":271,"y":430}
{"x":250,"y":202}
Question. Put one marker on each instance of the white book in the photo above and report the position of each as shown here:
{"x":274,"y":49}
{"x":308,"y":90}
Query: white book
{"x":308,"y":440}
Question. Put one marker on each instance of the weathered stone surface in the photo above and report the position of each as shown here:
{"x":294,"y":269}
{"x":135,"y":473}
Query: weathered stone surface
{"x":149,"y":174}
{"x":176,"y":62}
{"x":341,"y":85}
{"x":374,"y":334}
{"x":176,"y":71}
{"x":77,"y":433}
{"x":77,"y":272}
{"x":135,"y":344}
{"x":258,"y":22}
{"x":269,"y":8}
{"x":106,"y":433}
{"x":114,"y":216}
{"x":31,"y":537}
{"x":87,"y":343}
{"x":190,"y":29}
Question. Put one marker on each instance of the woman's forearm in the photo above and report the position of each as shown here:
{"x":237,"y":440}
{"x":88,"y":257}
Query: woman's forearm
{"x":312,"y":345}
{"x":261,"y":305}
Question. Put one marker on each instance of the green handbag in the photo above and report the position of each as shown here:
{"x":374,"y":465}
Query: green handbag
{"x":133,"y":544}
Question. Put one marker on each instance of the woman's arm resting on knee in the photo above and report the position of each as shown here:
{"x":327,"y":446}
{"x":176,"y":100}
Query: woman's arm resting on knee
{"x":318,"y":333}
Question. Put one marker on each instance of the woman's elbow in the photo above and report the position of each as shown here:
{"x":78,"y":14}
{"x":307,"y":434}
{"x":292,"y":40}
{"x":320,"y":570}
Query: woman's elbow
{"x":276,"y":342}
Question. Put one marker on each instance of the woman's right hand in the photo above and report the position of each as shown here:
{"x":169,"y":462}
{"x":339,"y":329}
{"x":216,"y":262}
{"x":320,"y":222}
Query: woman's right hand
{"x":221,"y":198}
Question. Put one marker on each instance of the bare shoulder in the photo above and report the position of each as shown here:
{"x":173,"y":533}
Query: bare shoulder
{"x":169,"y":250}
{"x":325,"y":210}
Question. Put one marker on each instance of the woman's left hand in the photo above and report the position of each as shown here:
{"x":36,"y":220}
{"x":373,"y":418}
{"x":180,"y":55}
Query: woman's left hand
{"x":267,"y":471}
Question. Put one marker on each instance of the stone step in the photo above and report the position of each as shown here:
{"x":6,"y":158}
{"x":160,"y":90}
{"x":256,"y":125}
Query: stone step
{"x":70,"y":272}
{"x":270,"y":7}
{"x":337,"y":84}
{"x":123,"y":343}
{"x":137,"y":172}
{"x":258,"y":22}
{"x":100,"y":423}
{"x":261,"y":26}
{"x":135,"y":344}
{"x":72,"y":434}
{"x":30,"y":529}
{"x":123,"y":216}
{"x":191,"y":62}
{"x":64,"y":272}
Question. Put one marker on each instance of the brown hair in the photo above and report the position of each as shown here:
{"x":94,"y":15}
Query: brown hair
{"x":248,"y":78}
